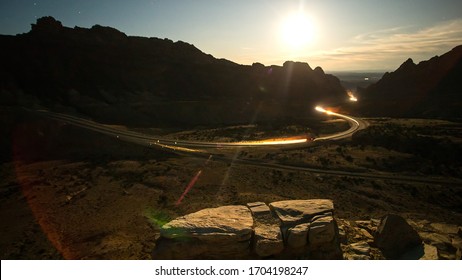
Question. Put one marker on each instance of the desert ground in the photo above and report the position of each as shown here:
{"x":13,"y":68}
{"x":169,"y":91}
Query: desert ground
{"x":67,"y":192}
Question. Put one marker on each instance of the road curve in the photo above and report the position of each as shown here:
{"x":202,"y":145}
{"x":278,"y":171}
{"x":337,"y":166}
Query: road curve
{"x":355,"y":125}
{"x":190,"y":147}
{"x":139,"y":138}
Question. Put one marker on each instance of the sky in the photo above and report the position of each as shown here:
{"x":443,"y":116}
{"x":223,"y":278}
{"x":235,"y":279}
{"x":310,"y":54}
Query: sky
{"x":342,"y":35}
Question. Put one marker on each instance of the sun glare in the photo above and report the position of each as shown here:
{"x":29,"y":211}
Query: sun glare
{"x":297,"y":31}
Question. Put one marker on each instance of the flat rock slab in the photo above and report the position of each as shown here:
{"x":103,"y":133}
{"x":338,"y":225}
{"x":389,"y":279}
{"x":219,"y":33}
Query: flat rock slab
{"x":292,"y":212}
{"x":221,"y":224}
{"x":262,"y":214}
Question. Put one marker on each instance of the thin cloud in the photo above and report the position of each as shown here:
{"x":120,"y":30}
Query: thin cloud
{"x":386,"y":48}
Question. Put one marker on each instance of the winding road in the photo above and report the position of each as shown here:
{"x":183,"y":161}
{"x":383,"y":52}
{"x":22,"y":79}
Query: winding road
{"x":194,"y":147}
{"x":139,"y":138}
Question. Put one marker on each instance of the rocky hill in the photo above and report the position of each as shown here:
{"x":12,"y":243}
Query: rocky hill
{"x":429,"y":89}
{"x":112,"y":77}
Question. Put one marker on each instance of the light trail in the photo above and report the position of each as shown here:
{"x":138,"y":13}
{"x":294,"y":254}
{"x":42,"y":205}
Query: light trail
{"x":355,"y":125}
{"x":353,"y":98}
{"x":196,"y":146}
{"x":268,"y":142}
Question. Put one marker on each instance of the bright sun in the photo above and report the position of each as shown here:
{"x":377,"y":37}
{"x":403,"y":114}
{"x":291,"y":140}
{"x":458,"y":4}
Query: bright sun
{"x":297,"y":31}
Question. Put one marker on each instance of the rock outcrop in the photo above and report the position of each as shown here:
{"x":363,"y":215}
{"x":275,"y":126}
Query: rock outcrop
{"x":303,"y":229}
{"x":255,"y":231}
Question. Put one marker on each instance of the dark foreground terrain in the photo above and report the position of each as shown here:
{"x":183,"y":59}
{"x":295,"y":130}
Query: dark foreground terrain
{"x":67,"y":192}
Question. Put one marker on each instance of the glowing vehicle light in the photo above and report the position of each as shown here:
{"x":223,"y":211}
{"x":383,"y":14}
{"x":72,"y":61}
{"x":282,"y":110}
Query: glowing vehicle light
{"x":320,"y":109}
{"x":352,"y":97}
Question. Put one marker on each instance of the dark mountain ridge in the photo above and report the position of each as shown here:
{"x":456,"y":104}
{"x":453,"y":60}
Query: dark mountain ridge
{"x":112,"y":77}
{"x":430,"y":89}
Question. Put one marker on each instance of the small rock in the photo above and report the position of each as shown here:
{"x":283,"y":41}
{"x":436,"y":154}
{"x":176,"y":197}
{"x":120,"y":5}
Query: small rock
{"x":367,"y":225}
{"x":361,"y":248}
{"x":430,"y":252}
{"x":366,"y":234}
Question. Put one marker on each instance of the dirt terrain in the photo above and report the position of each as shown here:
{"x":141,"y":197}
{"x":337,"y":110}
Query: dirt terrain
{"x":71,"y":193}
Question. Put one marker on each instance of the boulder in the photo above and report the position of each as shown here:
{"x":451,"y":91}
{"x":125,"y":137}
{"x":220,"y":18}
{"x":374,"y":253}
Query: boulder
{"x":255,"y":230}
{"x":298,"y":236}
{"x":212,"y":233}
{"x":292,"y":212}
{"x":222,"y":224}
{"x":394,"y":236}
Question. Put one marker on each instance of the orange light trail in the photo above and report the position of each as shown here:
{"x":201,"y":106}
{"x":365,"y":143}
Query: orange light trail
{"x":352,"y":97}
{"x":272,"y":142}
